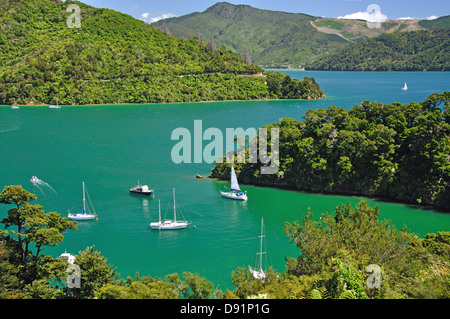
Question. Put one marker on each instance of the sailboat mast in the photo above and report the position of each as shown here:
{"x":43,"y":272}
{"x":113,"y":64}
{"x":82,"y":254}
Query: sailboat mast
{"x":159,"y":202}
{"x":84,"y":199}
{"x":261,"y":245}
{"x":174,"y":208}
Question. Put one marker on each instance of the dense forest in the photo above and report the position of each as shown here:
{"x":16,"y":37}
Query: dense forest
{"x":398,"y":151}
{"x":398,"y":51}
{"x":113,"y":58}
{"x":349,"y":253}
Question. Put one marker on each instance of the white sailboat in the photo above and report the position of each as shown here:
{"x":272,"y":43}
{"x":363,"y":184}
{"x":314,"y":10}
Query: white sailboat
{"x":235,"y":192}
{"x":405,"y":88}
{"x":54,"y":106}
{"x":168,"y":224}
{"x":83,"y":215}
{"x":258,"y":272}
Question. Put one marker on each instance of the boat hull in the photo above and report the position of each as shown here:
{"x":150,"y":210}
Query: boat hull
{"x":168,"y":225}
{"x":141,"y":193}
{"x":233,"y":195}
{"x":81,"y":216}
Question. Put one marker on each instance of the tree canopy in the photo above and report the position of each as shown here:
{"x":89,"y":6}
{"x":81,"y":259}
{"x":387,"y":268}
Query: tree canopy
{"x":398,"y":151}
{"x":112,"y":58}
{"x":425,"y":50}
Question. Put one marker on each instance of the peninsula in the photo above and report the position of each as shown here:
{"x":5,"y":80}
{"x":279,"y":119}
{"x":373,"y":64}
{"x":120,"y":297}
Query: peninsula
{"x":113,"y":58}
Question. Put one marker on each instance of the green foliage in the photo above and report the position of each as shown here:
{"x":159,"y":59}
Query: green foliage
{"x":112,"y":58}
{"x":337,"y":248}
{"x":423,"y":50}
{"x":194,"y":286}
{"x":269,"y":38}
{"x":374,"y":149}
{"x":137,"y":288}
{"x":439,"y":23}
{"x":95,"y":273}
{"x":335,"y":251}
{"x":282,"y":86}
{"x":275,"y":39}
{"x":33,"y":230}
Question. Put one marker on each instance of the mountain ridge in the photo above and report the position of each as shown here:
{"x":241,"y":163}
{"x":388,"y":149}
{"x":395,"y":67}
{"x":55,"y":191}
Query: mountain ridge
{"x":275,"y":39}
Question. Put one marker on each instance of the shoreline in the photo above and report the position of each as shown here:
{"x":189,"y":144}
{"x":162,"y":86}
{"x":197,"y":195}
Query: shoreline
{"x":381,"y":198}
{"x":158,"y":103}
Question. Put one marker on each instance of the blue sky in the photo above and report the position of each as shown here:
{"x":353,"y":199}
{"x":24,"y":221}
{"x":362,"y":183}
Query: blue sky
{"x":150,"y":10}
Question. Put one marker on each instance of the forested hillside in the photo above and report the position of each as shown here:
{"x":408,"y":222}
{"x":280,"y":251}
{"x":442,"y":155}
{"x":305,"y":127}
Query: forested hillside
{"x":399,"y":51}
{"x":112,"y":58}
{"x":395,"y":151}
{"x":274,"y":39}
{"x":268,"y":38}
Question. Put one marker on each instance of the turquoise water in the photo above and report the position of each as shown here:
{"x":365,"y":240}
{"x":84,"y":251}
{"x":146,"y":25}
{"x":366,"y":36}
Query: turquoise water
{"x":111,"y":147}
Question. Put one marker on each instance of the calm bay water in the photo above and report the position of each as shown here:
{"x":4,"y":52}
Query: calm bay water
{"x":111,"y":147}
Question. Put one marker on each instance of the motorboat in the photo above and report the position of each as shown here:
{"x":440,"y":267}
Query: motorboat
{"x":141,"y":190}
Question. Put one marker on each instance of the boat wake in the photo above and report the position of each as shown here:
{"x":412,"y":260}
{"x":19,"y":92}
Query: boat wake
{"x":39,"y":182}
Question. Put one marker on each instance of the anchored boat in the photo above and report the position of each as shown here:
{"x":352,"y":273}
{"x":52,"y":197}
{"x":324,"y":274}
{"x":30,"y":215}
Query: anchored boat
{"x":83,"y":215}
{"x":235,"y":192}
{"x":169,"y":224}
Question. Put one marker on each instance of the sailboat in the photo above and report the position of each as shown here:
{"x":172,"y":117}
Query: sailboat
{"x":405,"y":88}
{"x":235,"y":192}
{"x":169,"y":224}
{"x":83,"y":215}
{"x":258,"y":271}
{"x":54,"y":106}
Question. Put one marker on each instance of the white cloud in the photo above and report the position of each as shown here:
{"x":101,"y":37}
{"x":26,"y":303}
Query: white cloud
{"x":376,"y":16}
{"x":406,"y":18}
{"x":432,"y":17}
{"x":146,"y":16}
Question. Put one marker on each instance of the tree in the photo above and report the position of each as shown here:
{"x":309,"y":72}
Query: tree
{"x":194,"y":286}
{"x":138,"y":288}
{"x":35,"y":230}
{"x":95,"y":273}
{"x":246,"y":57}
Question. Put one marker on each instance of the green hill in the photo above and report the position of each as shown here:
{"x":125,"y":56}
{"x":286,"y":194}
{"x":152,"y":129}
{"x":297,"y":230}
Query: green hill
{"x":426,"y":50}
{"x":272,"y":38}
{"x":114,"y":58}
{"x":278,"y":39}
{"x":439,"y":23}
